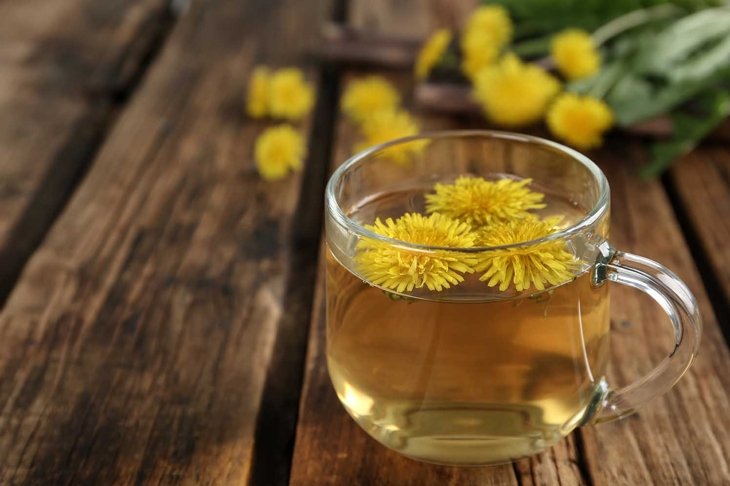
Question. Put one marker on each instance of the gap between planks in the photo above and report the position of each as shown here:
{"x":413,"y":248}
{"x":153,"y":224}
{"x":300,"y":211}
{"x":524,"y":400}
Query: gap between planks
{"x":278,"y":416}
{"x":708,"y":272}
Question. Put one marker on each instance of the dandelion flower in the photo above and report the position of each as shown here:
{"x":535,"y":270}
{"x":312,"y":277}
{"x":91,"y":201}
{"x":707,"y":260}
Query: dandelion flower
{"x":513,"y":93}
{"x":400,"y":269}
{"x":575,"y":54}
{"x":257,"y":101}
{"x":290,"y":96}
{"x":479,"y":50}
{"x":493,"y":20}
{"x":388,"y":125}
{"x":278,"y":150}
{"x":480,"y":202}
{"x":368,"y":96}
{"x":432,"y":52}
{"x":579,"y":120}
{"x":548,"y":263}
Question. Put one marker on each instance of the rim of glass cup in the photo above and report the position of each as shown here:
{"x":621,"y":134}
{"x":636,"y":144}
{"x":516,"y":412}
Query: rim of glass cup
{"x":333,"y":207}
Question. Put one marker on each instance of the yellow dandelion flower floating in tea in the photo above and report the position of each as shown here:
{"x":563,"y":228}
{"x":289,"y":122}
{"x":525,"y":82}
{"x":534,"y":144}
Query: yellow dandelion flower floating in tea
{"x":493,"y":20}
{"x":365,"y":97}
{"x":290,"y":96}
{"x":575,"y":54}
{"x":579,"y":120}
{"x":432,"y":52}
{"x":513,"y":93}
{"x":257,"y":101}
{"x":480,"y":202}
{"x":388,"y":125}
{"x":535,"y":265}
{"x":400,"y":269}
{"x":479,"y":50}
{"x":278,"y":150}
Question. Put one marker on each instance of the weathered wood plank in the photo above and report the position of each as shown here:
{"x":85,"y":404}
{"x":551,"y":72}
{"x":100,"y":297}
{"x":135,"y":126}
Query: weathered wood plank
{"x":134,"y":347}
{"x":62,"y":64}
{"x":278,"y":410}
{"x":701,"y":182}
{"x":78,"y":45}
{"x":684,"y":437}
{"x":679,"y":439}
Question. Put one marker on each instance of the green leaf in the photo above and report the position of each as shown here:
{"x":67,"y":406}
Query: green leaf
{"x":678,"y":42}
{"x":597,"y":86}
{"x":631,"y":99}
{"x":533,"y":48}
{"x":667,"y":63}
{"x":703,"y":65}
{"x":634,"y":99}
{"x":689,"y":130}
{"x":536,"y":18}
{"x":633,"y":20}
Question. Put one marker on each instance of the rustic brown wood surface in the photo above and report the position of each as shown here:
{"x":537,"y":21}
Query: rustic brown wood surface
{"x":683,"y":437}
{"x":161,"y":332}
{"x":135,"y":345}
{"x":63,"y":67}
{"x":702,"y":184}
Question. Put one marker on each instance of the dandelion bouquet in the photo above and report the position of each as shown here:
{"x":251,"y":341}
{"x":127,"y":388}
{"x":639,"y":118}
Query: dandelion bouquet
{"x":586,"y":66}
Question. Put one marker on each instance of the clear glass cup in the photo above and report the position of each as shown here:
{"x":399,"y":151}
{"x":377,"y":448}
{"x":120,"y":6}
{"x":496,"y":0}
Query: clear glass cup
{"x":472,"y":374}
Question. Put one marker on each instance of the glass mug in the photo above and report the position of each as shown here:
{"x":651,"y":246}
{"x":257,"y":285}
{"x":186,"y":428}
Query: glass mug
{"x":474,"y":375}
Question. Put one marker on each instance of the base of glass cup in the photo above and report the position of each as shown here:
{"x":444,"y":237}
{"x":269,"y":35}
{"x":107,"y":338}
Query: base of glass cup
{"x":452,"y":449}
{"x":475,"y":452}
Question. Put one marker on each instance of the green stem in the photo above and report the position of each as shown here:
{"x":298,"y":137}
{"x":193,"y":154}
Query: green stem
{"x":632,"y":20}
{"x":533,"y":47}
{"x":606,"y":81}
{"x":684,"y":140}
{"x":449,"y":61}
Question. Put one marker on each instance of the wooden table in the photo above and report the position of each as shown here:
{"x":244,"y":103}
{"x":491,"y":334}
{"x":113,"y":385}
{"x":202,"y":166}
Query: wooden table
{"x":163,"y":307}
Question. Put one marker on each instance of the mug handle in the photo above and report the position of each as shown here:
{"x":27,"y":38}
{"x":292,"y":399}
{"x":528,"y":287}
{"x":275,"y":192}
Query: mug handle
{"x":681,"y":307}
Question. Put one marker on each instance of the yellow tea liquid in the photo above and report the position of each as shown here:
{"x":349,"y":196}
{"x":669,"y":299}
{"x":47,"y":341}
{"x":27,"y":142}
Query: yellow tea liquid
{"x":466,"y":382}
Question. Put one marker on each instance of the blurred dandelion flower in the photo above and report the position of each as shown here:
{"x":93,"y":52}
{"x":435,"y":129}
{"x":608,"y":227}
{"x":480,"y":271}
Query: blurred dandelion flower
{"x":513,"y":93}
{"x":432,"y":52}
{"x":367,"y":96}
{"x":579,"y":120}
{"x":290,"y":96}
{"x":575,"y":54}
{"x":387,"y":125}
{"x":486,"y":31}
{"x":547,"y":263}
{"x":493,"y":20}
{"x":479,"y":50}
{"x":400,"y":269}
{"x":257,"y":101}
{"x":479,"y":202}
{"x":278,"y":150}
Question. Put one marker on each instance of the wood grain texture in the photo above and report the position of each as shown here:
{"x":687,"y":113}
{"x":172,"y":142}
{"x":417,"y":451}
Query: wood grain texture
{"x":701,"y":182}
{"x":134,"y":347}
{"x":681,"y":438}
{"x":77,"y":45}
{"x":62,"y":65}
